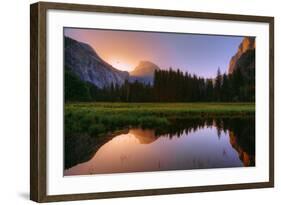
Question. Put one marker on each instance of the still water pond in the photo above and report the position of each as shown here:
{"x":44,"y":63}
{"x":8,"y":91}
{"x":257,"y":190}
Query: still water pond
{"x":197,"y":147}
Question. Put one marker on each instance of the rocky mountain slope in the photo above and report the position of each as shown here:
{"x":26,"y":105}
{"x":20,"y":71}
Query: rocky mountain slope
{"x":144,"y":72}
{"x":83,"y":61}
{"x":244,"y":57}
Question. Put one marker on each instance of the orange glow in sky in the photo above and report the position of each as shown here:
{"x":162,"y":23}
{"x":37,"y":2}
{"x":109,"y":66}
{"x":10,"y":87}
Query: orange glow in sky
{"x":198,"y":54}
{"x":123,"y":50}
{"x":121,"y":64}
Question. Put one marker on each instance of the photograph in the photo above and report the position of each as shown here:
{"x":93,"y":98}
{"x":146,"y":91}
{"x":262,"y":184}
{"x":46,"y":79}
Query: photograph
{"x":135,"y":101}
{"x":143,"y":101}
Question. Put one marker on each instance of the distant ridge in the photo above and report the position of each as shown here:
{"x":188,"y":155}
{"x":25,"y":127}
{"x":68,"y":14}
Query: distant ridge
{"x":144,"y":72}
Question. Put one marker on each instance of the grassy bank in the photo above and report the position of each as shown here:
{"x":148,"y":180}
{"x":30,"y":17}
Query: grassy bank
{"x":97,"y":119}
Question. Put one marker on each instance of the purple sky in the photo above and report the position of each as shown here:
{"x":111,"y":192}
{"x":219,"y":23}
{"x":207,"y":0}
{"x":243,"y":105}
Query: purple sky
{"x":199,"y":54}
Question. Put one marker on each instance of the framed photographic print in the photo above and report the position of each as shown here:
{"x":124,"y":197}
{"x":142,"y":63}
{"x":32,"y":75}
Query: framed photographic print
{"x":133,"y":102}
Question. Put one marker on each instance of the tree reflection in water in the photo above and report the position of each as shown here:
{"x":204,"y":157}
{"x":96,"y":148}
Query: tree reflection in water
{"x":240,"y":131}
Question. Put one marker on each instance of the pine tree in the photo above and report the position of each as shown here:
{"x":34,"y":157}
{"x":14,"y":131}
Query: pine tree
{"x":218,"y":84}
{"x":225,"y":89}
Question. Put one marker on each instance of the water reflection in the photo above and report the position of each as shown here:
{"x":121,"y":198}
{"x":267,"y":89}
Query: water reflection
{"x":189,"y":144}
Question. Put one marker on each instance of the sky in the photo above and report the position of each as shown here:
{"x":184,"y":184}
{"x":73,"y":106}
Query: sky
{"x":198,"y":54}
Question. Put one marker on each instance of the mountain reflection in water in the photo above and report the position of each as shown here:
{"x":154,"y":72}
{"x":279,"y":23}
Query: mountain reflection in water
{"x":191,"y":144}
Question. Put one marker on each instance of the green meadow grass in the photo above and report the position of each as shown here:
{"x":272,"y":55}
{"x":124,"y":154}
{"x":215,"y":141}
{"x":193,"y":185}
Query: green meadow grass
{"x":96,"y":119}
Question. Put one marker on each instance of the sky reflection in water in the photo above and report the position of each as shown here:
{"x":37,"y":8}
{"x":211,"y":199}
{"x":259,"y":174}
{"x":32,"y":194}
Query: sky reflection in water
{"x":141,"y":150}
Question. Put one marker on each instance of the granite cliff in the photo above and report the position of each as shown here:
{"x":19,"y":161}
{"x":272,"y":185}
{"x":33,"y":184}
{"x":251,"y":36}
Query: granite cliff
{"x":144,"y":72}
{"x":84,"y":62}
{"x":245,"y":56}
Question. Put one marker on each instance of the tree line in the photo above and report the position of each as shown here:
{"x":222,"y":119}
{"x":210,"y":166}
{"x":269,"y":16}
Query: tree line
{"x":168,"y":86}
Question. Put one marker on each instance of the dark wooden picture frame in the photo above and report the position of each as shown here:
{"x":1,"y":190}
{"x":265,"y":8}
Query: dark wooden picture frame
{"x":38,"y":101}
